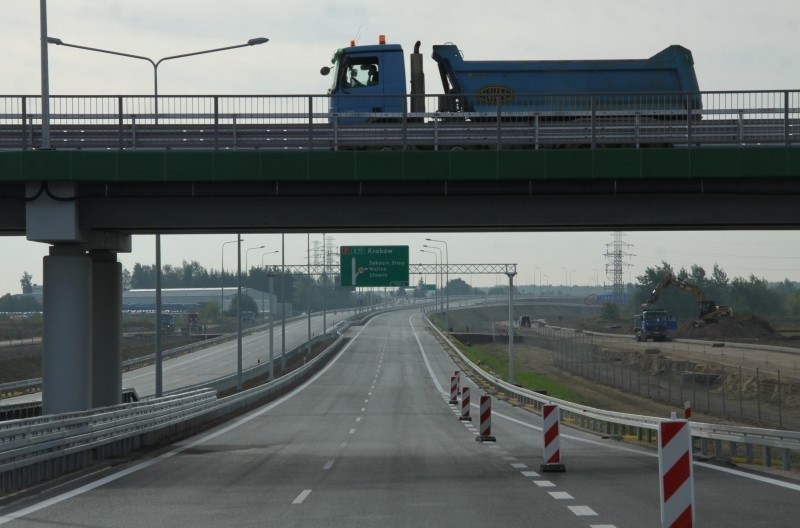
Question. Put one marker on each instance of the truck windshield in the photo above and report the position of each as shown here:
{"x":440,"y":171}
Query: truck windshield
{"x":357,"y":72}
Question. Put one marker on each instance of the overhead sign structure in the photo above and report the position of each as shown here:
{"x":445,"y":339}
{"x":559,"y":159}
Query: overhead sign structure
{"x":374,"y":265}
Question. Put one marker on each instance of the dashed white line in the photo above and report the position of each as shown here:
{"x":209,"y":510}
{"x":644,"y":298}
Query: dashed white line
{"x":582,"y":511}
{"x":519,"y":465}
{"x":560,"y":495}
{"x":363,"y":409}
{"x":342,"y":445}
{"x":358,"y":418}
{"x":352,"y":431}
{"x":602,"y":526}
{"x":544,"y":483}
{"x":328,"y":465}
{"x":300,"y":498}
{"x":529,"y":474}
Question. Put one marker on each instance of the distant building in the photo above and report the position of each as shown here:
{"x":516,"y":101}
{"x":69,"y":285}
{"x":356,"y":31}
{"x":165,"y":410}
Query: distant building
{"x":188,"y":299}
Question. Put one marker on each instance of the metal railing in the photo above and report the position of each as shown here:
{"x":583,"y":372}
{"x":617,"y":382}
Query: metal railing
{"x":301,"y":122}
{"x":617,"y":423}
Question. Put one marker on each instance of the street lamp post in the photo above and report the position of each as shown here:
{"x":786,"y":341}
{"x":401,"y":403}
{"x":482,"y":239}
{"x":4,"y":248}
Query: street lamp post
{"x":247,"y":268}
{"x":511,"y":327}
{"x":262,"y":267}
{"x":435,"y":275}
{"x":534,"y":279}
{"x":222,"y":287}
{"x":156,"y":63}
{"x":446,"y":281}
{"x":441,"y":261}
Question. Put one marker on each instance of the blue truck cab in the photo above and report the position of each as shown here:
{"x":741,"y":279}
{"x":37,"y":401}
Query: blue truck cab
{"x":654,"y":324}
{"x":368,"y":79}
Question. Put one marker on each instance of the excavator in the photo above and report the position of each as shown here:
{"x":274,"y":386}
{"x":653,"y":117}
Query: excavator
{"x":707,"y":310}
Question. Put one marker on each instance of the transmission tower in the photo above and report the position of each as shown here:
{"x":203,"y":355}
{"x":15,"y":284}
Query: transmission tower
{"x":616,"y":253}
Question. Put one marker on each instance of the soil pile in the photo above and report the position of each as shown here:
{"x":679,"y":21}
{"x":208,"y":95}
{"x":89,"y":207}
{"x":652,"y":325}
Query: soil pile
{"x":727,"y":329}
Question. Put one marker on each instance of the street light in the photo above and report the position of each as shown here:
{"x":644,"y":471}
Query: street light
{"x":534,"y":279}
{"x":435,"y":275}
{"x":156,"y":63}
{"x":271,"y":322}
{"x":446,"y":280}
{"x":247,"y":268}
{"x":222,"y":287}
{"x":441,"y":260}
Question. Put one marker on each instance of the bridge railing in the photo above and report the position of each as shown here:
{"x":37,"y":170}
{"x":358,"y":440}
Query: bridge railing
{"x":298,"y":122}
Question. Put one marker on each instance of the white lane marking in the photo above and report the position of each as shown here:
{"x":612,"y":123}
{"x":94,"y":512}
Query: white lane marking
{"x":560,"y":495}
{"x":358,"y":418}
{"x":300,"y":498}
{"x":328,"y":465}
{"x":181,"y":448}
{"x":369,"y":394}
{"x":352,"y":431}
{"x":342,"y":445}
{"x":582,"y":511}
{"x":509,"y":458}
{"x":544,"y":483}
{"x":602,"y":526}
{"x":519,"y":465}
{"x":529,"y":474}
{"x":366,"y":401}
{"x":363,"y":409}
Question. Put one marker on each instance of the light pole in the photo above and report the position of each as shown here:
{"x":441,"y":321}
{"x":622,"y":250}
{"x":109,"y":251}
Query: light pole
{"x":222,"y":287}
{"x":435,"y":276}
{"x":247,"y":267}
{"x":534,"y":279}
{"x":446,"y":281}
{"x":271,"y":325}
{"x":441,"y":261}
{"x":511,"y":327}
{"x":156,"y":63}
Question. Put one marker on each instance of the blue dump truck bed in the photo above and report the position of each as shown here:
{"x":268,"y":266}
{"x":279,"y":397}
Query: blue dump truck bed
{"x":479,"y":86}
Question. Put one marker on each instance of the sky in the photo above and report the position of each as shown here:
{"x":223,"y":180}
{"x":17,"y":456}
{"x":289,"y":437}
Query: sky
{"x":736,"y":44}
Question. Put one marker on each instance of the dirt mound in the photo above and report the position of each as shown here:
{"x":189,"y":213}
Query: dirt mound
{"x":728,"y":328}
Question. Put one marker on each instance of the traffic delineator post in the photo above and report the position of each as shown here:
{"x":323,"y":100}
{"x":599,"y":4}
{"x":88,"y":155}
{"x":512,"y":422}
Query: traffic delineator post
{"x":465,"y":417}
{"x":457,"y":374}
{"x":485,"y":427}
{"x":687,"y":409}
{"x":551,"y":416}
{"x":676,"y":479}
{"x":453,"y":390}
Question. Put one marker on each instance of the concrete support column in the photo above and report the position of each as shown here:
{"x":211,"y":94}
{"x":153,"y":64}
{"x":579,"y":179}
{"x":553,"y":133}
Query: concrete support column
{"x":67,"y":333}
{"x":106,"y":329}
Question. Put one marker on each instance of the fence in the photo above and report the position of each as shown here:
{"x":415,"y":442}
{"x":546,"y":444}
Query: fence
{"x":761,"y":396}
{"x":298,"y":122}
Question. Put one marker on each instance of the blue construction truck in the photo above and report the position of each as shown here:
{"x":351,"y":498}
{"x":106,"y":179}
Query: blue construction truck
{"x":370,"y":80}
{"x":654,"y":324}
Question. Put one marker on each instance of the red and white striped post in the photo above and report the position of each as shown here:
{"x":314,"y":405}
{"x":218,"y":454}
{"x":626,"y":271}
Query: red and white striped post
{"x":457,"y":374}
{"x":453,"y":390}
{"x":465,"y":417}
{"x":676,"y":481}
{"x":551,"y":416}
{"x":687,"y":409}
{"x":486,"y":420}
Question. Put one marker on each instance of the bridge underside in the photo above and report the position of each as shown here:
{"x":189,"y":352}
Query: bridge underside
{"x":268,"y":191}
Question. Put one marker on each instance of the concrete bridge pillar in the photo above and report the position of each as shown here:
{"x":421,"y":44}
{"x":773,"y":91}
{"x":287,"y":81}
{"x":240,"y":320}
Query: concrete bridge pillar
{"x":106,"y":329}
{"x":67,"y":332}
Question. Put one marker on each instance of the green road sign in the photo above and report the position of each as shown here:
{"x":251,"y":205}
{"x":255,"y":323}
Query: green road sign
{"x":374,"y":265}
{"x":428,"y":287}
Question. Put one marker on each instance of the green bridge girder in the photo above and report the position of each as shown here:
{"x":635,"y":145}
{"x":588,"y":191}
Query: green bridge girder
{"x":410,"y":165}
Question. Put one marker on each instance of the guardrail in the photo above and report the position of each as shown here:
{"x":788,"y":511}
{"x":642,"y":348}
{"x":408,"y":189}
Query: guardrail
{"x":616,"y":423}
{"x":36,"y":449}
{"x":305,"y":122}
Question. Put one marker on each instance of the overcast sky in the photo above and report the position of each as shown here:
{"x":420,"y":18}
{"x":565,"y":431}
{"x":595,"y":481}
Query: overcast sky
{"x":737,"y":45}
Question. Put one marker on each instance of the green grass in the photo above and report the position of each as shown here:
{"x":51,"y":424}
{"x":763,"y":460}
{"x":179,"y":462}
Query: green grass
{"x":492,"y":359}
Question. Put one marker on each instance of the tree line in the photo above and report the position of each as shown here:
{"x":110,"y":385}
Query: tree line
{"x":747,"y":296}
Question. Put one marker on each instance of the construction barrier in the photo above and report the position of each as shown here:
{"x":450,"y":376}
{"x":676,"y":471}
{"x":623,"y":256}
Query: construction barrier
{"x":687,"y":409}
{"x":453,"y":390}
{"x":465,"y":417}
{"x":676,"y":481}
{"x":457,"y":374}
{"x":551,"y":416}
{"x":486,"y":420}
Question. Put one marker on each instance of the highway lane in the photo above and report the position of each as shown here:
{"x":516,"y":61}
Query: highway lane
{"x":372,"y":440}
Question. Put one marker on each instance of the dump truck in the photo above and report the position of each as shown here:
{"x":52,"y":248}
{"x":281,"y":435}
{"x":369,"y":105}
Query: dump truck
{"x":654,"y":324}
{"x":371,"y":80}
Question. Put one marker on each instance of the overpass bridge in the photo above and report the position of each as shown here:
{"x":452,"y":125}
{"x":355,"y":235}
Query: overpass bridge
{"x":208,"y":164}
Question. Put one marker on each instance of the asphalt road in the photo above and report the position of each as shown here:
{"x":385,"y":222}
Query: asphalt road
{"x":372,"y":441}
